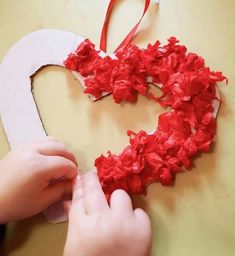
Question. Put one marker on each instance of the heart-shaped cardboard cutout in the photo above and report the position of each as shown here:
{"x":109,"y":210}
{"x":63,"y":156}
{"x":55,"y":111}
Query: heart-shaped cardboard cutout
{"x":18,"y":110}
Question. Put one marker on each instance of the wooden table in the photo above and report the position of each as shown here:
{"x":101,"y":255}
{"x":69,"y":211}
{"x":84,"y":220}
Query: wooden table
{"x":197,"y":216}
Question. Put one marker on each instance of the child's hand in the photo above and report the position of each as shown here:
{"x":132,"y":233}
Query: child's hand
{"x":95,"y":229}
{"x":27,"y":178}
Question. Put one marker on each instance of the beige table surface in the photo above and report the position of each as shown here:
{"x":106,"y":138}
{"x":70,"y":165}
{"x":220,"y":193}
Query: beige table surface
{"x":197,"y":216}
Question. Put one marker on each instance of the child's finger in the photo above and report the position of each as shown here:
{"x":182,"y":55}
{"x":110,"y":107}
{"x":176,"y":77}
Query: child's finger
{"x":53,"y":148}
{"x":95,"y":200}
{"x":143,"y":217}
{"x":56,"y":192}
{"x":78,"y":205}
{"x":56,"y":167}
{"x":120,"y":201}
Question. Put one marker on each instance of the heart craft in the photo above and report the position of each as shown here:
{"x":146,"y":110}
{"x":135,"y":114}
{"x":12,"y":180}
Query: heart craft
{"x":189,"y":91}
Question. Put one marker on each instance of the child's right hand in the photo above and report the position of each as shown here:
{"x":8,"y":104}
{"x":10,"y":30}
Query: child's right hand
{"x":97,"y":229}
{"x":26,"y":176}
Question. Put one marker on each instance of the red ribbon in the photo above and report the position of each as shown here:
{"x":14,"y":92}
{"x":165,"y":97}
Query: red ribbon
{"x":131,"y":34}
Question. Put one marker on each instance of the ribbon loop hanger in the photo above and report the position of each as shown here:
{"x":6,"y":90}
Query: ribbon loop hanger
{"x":131,"y":34}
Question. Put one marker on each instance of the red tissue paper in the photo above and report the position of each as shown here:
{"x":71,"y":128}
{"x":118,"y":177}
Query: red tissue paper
{"x":188,"y":89}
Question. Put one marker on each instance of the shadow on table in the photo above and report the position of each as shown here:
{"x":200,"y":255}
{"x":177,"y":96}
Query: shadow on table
{"x":18,"y":232}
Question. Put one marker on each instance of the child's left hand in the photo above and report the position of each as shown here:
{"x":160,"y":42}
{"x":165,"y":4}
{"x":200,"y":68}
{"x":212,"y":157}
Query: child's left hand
{"x":27,"y":177}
